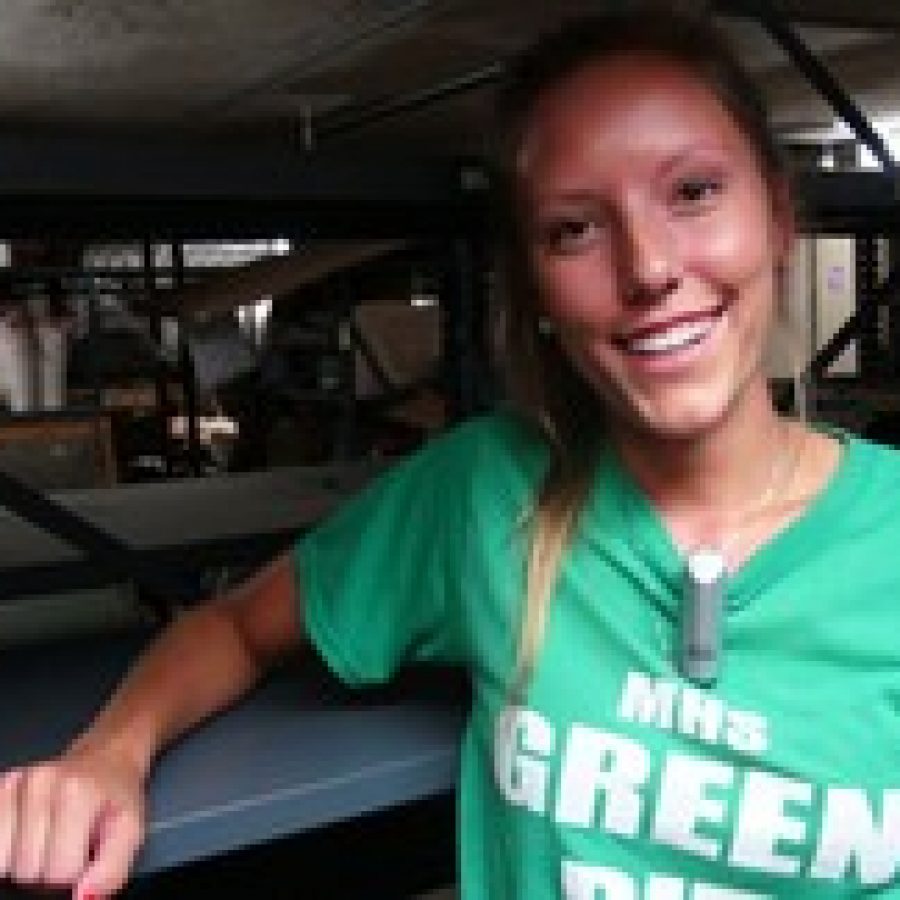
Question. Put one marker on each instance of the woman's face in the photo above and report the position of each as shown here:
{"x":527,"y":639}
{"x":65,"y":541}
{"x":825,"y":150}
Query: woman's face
{"x":654,"y":237}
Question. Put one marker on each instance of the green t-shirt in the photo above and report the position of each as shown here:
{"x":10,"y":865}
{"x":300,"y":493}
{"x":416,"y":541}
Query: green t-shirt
{"x":615,"y":778}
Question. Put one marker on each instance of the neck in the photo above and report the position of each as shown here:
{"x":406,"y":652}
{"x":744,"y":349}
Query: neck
{"x":703,"y":484}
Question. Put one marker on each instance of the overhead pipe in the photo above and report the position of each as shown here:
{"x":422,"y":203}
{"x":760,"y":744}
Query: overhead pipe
{"x":348,"y":41}
{"x":353,"y":116}
{"x":818,"y":74}
{"x":799,"y":11}
{"x":821,"y":78}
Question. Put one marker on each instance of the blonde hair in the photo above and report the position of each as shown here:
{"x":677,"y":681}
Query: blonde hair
{"x":553,"y":397}
{"x":544,"y":387}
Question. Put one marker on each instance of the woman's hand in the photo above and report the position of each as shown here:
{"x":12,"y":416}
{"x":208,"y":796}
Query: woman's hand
{"x":77,"y":820}
{"x":74,"y":822}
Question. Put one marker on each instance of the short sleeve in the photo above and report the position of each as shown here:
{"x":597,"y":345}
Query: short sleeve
{"x":381,"y":578}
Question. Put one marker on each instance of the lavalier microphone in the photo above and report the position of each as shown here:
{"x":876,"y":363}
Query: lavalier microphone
{"x":702,"y":614}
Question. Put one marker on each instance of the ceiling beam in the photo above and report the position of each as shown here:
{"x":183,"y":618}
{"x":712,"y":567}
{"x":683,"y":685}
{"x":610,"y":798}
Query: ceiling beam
{"x":152,"y":187}
{"x":275,"y":277}
{"x":344,"y":38}
{"x":875,"y":15}
{"x":821,"y":78}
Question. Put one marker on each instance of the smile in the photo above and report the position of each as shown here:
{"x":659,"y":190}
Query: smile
{"x":673,"y":336}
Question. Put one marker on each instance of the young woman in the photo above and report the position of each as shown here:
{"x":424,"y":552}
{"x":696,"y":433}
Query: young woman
{"x":565,"y":553}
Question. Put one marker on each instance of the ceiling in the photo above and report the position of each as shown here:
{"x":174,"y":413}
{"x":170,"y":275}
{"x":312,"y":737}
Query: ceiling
{"x":302,"y":71}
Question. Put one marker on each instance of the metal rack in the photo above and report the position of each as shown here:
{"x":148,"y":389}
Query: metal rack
{"x":430,"y":201}
{"x":311,"y":197}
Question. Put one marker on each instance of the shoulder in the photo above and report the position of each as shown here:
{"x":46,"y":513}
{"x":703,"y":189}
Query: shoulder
{"x":486,"y":460}
{"x":873,"y":458}
{"x":493,"y":441}
{"x":870,"y":477}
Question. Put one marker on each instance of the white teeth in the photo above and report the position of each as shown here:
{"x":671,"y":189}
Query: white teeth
{"x":673,"y":339}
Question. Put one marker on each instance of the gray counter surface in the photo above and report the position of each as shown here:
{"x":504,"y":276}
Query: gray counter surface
{"x":301,"y":752}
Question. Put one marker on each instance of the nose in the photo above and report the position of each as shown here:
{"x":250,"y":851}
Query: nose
{"x":650,"y":270}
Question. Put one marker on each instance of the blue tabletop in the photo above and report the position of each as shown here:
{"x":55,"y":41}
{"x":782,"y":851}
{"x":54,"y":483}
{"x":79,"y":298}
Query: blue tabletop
{"x":299,"y":753}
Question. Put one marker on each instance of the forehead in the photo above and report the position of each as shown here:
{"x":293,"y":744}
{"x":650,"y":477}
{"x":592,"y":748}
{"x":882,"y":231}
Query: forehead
{"x":627,"y":112}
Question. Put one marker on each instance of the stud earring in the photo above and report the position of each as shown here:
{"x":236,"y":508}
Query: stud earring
{"x":545,"y":326}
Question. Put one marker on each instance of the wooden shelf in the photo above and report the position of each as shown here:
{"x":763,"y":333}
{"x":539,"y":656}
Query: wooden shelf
{"x":64,"y":451}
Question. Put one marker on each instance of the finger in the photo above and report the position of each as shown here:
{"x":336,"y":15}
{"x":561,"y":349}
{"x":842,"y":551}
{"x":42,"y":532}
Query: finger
{"x":70,"y":834}
{"x":9,"y":789}
{"x":35,"y":811}
{"x":114,"y":851}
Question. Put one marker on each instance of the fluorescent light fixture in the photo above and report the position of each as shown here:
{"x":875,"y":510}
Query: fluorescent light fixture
{"x":887,"y":127}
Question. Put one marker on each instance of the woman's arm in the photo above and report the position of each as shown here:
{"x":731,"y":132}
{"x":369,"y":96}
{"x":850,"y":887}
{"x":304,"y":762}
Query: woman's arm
{"x":77,"y":820}
{"x":207,"y":659}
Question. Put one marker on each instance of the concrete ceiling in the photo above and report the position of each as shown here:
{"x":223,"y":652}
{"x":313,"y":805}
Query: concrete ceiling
{"x":275,"y":66}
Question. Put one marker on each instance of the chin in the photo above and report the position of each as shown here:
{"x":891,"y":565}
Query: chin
{"x":684,"y":428}
{"x":681,"y":418}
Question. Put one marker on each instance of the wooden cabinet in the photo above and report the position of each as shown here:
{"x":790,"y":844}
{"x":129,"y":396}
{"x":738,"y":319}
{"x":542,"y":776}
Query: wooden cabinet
{"x":54,"y":453}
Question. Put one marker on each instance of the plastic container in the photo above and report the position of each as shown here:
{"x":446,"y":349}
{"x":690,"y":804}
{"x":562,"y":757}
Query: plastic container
{"x":32,"y":363}
{"x":16,"y":382}
{"x":51,"y":368}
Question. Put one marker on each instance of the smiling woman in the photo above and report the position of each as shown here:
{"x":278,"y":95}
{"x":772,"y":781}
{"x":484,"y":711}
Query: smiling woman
{"x":644,"y":496}
{"x":652,"y":221}
{"x":653,"y":240}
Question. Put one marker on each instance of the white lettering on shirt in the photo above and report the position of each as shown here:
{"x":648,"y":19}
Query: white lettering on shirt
{"x":598,"y":763}
{"x":700,"y":715}
{"x":591,"y":778}
{"x":584,"y":882}
{"x":849,"y":834}
{"x":523,"y":740}
{"x":685,"y":802}
{"x":692,"y":712}
{"x":762,"y":822}
{"x":746,"y":732}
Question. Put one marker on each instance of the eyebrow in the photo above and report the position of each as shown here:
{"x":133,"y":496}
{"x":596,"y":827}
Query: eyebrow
{"x":689,"y":154}
{"x":574,"y":197}
{"x":692,"y":153}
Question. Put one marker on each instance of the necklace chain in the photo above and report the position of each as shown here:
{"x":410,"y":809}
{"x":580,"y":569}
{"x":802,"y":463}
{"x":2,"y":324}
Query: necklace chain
{"x":781,"y":473}
{"x":780,"y":477}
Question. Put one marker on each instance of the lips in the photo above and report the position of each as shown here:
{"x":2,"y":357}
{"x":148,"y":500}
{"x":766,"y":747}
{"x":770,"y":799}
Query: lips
{"x":673,"y":334}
